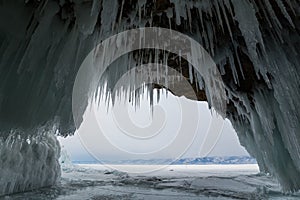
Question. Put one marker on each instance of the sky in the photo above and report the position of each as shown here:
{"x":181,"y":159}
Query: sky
{"x":176,"y":128}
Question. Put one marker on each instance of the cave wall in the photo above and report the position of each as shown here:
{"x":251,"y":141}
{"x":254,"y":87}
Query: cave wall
{"x":255,"y":44}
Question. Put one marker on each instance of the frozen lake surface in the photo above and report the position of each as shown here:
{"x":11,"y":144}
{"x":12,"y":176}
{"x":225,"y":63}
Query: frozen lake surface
{"x":98,"y":182}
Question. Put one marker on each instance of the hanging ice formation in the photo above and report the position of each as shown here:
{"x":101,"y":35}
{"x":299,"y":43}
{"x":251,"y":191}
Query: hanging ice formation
{"x":43,"y":42}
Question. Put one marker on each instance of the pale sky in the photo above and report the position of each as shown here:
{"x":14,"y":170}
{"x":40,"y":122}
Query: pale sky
{"x":130,"y":132}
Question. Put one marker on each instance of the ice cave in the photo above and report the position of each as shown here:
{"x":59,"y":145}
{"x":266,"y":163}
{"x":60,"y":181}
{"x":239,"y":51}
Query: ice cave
{"x":255,"y":44}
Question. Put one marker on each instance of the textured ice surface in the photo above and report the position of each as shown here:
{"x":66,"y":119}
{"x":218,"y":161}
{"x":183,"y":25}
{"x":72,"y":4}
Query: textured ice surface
{"x":174,"y":182}
{"x":255,"y":43}
{"x":28,"y":162}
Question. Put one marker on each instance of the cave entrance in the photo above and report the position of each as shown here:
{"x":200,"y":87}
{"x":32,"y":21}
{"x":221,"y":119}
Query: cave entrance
{"x":169,"y":130}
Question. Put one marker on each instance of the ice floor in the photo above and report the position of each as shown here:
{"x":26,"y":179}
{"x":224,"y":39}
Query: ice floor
{"x":98,"y":182}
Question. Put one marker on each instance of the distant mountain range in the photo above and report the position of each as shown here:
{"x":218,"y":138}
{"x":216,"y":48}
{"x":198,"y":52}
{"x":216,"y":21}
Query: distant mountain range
{"x":184,"y":161}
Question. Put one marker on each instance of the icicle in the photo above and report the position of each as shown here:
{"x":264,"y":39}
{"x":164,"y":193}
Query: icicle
{"x":108,"y":17}
{"x":226,"y":20}
{"x":210,"y":38}
{"x":217,"y":8}
{"x":284,"y":12}
{"x":249,"y":26}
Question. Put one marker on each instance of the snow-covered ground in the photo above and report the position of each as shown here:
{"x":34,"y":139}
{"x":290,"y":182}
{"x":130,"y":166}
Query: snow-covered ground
{"x":98,"y":182}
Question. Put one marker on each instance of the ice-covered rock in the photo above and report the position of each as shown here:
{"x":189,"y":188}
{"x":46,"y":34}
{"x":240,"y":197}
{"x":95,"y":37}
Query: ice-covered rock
{"x":28,"y":161}
{"x":255,"y":44}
